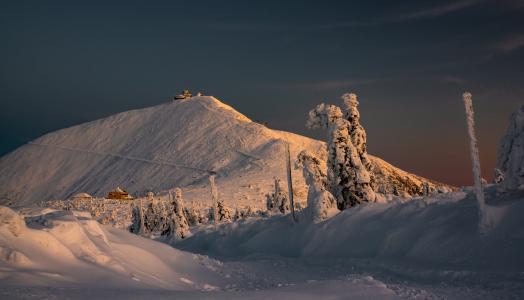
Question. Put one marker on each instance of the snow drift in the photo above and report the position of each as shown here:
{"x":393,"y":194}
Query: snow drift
{"x":58,"y":248}
{"x":439,"y":231}
{"x":176,"y":144}
{"x":51,"y":254}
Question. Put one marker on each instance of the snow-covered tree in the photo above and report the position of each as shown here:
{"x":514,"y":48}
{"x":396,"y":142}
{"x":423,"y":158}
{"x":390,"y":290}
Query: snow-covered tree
{"x":249,"y":212}
{"x":237,"y":215}
{"x":510,"y":159}
{"x":425,"y":189}
{"x":214,"y":199}
{"x":138,"y":224}
{"x":223,"y":213}
{"x":357,"y":132}
{"x":150,"y":196}
{"x":498,"y":176}
{"x":270,"y":203}
{"x":278,"y":200}
{"x":152,"y":217}
{"x":321,"y":203}
{"x":349,"y":175}
{"x":193,"y":216}
{"x":178,"y":227}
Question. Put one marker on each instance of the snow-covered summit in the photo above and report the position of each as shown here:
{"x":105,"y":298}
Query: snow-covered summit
{"x":175,"y":144}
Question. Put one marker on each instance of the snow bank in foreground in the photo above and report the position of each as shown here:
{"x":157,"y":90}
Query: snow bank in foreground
{"x":355,"y":289}
{"x":62,"y":249}
{"x":66,"y":255}
{"x":440,"y":230}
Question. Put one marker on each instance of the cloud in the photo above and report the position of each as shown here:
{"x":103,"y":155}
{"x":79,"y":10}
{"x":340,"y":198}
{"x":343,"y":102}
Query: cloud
{"x":441,"y":10}
{"x":431,"y":12}
{"x":510,"y":44}
{"x":324,"y":85}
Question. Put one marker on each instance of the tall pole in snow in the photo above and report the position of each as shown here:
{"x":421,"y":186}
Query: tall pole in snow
{"x":474,"y":152}
{"x":290,"y":182}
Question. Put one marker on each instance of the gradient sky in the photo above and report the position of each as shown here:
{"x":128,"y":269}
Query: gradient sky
{"x":67,"y":62}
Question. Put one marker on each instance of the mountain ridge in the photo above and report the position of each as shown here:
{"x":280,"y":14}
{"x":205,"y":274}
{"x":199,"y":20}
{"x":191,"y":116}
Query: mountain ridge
{"x":157,"y":148}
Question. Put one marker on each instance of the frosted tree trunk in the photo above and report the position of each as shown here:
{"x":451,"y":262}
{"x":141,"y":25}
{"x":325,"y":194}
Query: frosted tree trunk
{"x":214,"y":198}
{"x":474,"y":152}
{"x":290,"y":182}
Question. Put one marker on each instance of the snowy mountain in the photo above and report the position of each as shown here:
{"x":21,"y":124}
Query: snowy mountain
{"x":175,"y":144}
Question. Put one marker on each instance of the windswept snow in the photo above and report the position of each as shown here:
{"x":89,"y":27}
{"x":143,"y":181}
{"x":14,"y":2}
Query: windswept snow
{"x":431,"y":243}
{"x":69,"y":249}
{"x":439,"y":230}
{"x":176,"y":144}
{"x":426,"y":248}
{"x":64,"y":255}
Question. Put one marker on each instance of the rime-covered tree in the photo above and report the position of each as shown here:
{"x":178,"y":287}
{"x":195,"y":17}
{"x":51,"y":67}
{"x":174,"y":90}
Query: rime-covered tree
{"x":320,"y":203}
{"x":359,"y":189}
{"x":281,"y":198}
{"x":278,"y":200}
{"x":237,"y":215}
{"x":193,"y":216}
{"x":498,"y":176}
{"x":425,"y":189}
{"x":223,"y":213}
{"x":510,"y":159}
{"x":357,"y":132}
{"x":152,"y":217}
{"x":348,"y":168}
{"x":330,"y":117}
{"x":137,"y":217}
{"x":178,"y":227}
{"x":213,"y":212}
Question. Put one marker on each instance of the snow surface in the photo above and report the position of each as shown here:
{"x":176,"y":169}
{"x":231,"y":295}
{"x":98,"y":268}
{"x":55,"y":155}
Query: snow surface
{"x":425,"y":248}
{"x":63,"y":255}
{"x":176,"y":144}
{"x":68,"y":249}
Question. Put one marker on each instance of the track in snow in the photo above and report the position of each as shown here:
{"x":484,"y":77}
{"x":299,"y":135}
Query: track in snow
{"x":161,"y":163}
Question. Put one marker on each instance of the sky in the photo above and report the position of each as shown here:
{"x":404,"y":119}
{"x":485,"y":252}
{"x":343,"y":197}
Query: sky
{"x":67,"y":62}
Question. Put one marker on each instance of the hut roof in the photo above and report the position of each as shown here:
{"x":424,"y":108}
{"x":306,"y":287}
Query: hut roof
{"x":82,"y":195}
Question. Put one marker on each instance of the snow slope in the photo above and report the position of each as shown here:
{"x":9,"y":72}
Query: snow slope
{"x":59,"y":248}
{"x":161,"y":147}
{"x":426,"y":248}
{"x":65,"y":255}
{"x":432,"y":242}
{"x":440,"y":230}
